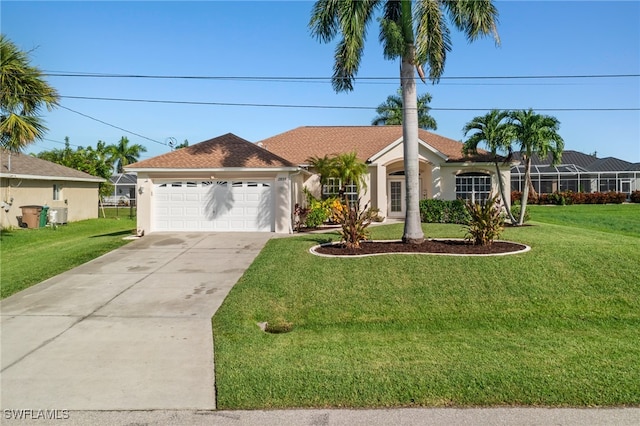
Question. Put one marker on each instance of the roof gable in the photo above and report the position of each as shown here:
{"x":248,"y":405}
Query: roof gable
{"x":299,"y":144}
{"x":28,"y":167}
{"x":226,"y":151}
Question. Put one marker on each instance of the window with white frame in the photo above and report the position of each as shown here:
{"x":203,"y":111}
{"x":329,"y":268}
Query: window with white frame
{"x":475,"y":187}
{"x":333,"y":186}
{"x":56,"y":192}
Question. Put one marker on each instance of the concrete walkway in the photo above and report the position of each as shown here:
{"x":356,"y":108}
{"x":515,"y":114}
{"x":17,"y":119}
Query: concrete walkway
{"x":130,"y":330}
{"x":504,"y":416}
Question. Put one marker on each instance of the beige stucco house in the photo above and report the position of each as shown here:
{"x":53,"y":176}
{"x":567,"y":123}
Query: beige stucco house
{"x":445,"y":173}
{"x":26,"y":180}
{"x":230,"y":184}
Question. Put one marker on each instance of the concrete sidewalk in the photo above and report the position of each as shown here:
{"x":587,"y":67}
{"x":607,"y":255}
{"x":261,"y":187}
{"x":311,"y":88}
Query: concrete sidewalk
{"x":384,"y":417}
{"x":130,"y":330}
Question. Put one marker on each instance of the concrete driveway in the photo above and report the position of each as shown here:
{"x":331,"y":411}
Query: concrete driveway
{"x":130,"y":330}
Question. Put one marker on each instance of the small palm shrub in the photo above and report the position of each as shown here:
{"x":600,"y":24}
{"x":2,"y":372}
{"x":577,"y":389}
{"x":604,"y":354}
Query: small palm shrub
{"x":353,"y":224}
{"x":486,"y":221}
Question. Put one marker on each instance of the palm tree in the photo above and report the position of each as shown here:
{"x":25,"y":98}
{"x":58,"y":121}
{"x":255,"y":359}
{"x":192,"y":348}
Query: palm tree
{"x":324,"y":167}
{"x":24,"y":93}
{"x":535,"y":134}
{"x":425,"y":43}
{"x":122,"y":153}
{"x":390,"y":112}
{"x":350,"y":170}
{"x":494,"y":130}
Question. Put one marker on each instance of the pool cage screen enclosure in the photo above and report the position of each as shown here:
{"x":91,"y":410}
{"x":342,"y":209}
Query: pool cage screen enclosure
{"x":569,"y":177}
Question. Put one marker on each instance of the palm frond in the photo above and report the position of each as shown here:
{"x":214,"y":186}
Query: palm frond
{"x":432,"y":37}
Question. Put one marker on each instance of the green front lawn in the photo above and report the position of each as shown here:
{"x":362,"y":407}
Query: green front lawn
{"x":616,"y":218}
{"x":558,"y":326}
{"x":29,"y":256}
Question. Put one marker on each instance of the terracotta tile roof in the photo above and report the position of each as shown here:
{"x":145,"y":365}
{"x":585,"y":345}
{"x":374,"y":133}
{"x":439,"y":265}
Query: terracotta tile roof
{"x":224,"y":151}
{"x":299,"y":144}
{"x":24,"y":165}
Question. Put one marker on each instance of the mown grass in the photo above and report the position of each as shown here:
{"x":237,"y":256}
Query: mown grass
{"x":616,"y":218}
{"x":558,"y":326}
{"x":30,"y":256}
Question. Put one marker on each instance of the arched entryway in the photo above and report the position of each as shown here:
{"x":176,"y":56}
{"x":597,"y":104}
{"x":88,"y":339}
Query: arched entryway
{"x":396,"y":187}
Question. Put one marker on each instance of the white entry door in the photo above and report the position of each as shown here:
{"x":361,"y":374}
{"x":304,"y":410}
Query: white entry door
{"x":213,"y":205}
{"x":396,"y":198}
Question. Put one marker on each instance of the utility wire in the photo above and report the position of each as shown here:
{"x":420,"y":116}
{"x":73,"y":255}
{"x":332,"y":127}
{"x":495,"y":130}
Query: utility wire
{"x":327,"y":79}
{"x":112,"y":125}
{"x":62,"y":143}
{"x":156,"y":101}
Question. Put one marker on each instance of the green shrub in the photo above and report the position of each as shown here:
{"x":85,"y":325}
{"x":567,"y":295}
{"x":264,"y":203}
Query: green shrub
{"x":443,"y":211}
{"x":317,"y":211}
{"x":315,"y":217}
{"x":486,"y":221}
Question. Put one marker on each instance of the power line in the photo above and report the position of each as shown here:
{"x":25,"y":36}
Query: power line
{"x":323,"y":79}
{"x":237,"y":104}
{"x":61,"y":143}
{"x":111,"y":125}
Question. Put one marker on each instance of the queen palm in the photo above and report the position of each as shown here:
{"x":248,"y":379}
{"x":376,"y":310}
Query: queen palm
{"x":350,"y":169}
{"x":535,"y":134}
{"x":24,"y":93}
{"x":494,"y":130}
{"x":416,"y":33}
{"x":122,"y":153}
{"x":324,"y":166}
{"x":390,"y":112}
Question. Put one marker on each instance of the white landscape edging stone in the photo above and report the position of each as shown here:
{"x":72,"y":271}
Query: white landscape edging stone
{"x":525,"y":249}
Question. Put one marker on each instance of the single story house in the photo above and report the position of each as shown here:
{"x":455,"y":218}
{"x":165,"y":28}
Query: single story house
{"x":578,"y":172}
{"x":27,"y":180}
{"x":228,"y":183}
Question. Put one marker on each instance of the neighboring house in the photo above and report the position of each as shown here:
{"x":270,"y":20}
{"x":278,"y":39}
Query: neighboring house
{"x":228,"y":183}
{"x":124,"y":190}
{"x":578,"y":172}
{"x":27,"y":180}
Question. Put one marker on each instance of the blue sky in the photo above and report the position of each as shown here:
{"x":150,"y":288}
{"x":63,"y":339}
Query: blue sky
{"x":271,"y":39}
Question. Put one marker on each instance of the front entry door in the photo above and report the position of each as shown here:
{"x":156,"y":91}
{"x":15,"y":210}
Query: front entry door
{"x":395,"y":195}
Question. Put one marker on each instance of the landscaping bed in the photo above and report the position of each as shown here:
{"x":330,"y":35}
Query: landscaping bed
{"x":432,"y":246}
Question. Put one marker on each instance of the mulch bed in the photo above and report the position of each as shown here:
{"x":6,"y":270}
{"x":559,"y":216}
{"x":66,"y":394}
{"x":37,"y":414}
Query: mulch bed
{"x":428,"y":246}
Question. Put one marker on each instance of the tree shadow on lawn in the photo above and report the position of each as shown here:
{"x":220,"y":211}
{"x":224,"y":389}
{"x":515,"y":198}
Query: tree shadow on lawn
{"x":318,"y":239}
{"x":114,"y":234}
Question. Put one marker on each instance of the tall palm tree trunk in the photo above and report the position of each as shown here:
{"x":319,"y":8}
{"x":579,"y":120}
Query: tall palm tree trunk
{"x":412,"y":224}
{"x":525,"y":191}
{"x":503,"y":194}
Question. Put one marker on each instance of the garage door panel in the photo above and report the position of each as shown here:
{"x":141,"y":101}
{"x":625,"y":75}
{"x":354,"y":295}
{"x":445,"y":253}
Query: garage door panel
{"x":213,"y":205}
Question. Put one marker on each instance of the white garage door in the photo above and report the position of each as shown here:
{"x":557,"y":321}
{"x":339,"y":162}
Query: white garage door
{"x":214,"y":205}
